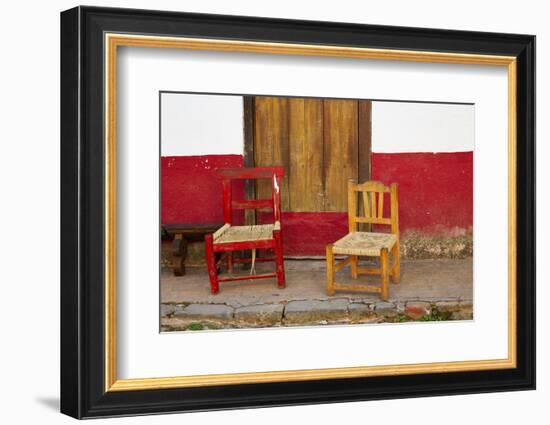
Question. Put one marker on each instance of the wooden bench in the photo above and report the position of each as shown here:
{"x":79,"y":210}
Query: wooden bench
{"x":181,"y":234}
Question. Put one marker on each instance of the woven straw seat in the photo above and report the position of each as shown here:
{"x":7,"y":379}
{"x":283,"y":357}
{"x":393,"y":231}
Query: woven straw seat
{"x":364,"y":243}
{"x":367,"y":244}
{"x":221,"y":244}
{"x":229,"y":234}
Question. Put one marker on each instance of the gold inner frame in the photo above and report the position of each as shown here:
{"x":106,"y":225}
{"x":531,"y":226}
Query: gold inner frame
{"x":113,"y":41}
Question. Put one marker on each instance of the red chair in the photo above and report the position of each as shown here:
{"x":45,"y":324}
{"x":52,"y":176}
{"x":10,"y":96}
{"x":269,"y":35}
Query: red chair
{"x":231,"y":238}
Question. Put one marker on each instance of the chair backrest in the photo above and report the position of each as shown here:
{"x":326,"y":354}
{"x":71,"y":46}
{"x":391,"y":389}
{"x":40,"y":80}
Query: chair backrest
{"x":370,"y":195}
{"x":275,"y":174}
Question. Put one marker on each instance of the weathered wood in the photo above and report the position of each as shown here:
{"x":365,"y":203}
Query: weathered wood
{"x":252,"y":204}
{"x":279,"y":260}
{"x":385,"y":294}
{"x":381,"y":205}
{"x":183,"y":233}
{"x":354,"y":266}
{"x":321,"y":143}
{"x":339,"y":266}
{"x":373,"y":220}
{"x":177,"y":245}
{"x":361,"y":243}
{"x":227,"y":200}
{"x":394,"y":212}
{"x":179,"y":254}
{"x":277,"y":198}
{"x":366,"y":204}
{"x":191,"y":229}
{"x":271,"y":143}
{"x":330,"y":271}
{"x":373,"y":186}
{"x":249,"y":185}
{"x":352,"y":206}
{"x":231,"y":238}
{"x":372,"y":196}
{"x":248,"y":277}
{"x":306,"y":187}
{"x":251,"y":173}
{"x":229,"y":258}
{"x":351,"y":287}
{"x":211,"y":264}
{"x":369,"y":270}
{"x":340,"y":150}
{"x":396,"y":268}
{"x":364,"y":130}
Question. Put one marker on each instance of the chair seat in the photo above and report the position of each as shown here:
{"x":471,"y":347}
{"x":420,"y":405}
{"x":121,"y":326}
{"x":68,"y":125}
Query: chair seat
{"x":257,"y":232}
{"x":364,"y":243}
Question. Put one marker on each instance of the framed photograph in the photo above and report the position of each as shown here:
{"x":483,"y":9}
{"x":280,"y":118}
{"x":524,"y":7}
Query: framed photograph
{"x":261,"y":212}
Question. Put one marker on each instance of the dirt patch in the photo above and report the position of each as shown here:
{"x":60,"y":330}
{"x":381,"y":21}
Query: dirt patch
{"x":418,"y":246}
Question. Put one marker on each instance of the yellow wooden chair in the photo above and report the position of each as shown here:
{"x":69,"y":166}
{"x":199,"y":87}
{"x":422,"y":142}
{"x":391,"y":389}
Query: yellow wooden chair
{"x":366,"y":243}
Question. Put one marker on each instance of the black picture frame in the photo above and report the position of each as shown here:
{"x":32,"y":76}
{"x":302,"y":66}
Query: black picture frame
{"x":83,"y":392}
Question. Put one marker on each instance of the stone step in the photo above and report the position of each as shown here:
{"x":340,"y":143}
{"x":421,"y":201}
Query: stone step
{"x":308,"y":312}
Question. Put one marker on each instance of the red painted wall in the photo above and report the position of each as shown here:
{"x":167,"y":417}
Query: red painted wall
{"x":435,"y":195}
{"x":308,"y":233}
{"x":435,"y":189}
{"x":191,"y":191}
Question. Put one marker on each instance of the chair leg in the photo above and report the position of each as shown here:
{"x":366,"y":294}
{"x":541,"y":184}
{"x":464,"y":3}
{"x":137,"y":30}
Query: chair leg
{"x":384,"y":269}
{"x":396,"y":269}
{"x":354,"y":263}
{"x":330,"y":271}
{"x":229,"y":260}
{"x":279,"y":259}
{"x":211,"y":264}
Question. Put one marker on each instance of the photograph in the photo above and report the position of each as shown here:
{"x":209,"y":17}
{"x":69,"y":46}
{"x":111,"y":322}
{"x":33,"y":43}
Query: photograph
{"x":264,"y":211}
{"x":302,"y":211}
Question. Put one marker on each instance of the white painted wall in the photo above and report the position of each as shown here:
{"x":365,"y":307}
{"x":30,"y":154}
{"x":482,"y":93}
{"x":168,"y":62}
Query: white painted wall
{"x":422,"y":127}
{"x":201,"y":124}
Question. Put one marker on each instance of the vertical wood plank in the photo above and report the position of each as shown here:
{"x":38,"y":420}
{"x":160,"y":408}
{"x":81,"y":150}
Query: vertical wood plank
{"x":340,"y":150}
{"x":227,"y":198}
{"x":250,"y":185}
{"x":366,"y":205}
{"x":281,"y":152}
{"x":364,"y":130}
{"x":271,"y":144}
{"x":330,"y":271}
{"x":385,"y":294}
{"x":306,"y":187}
{"x":381,"y":205}
{"x":276,"y":194}
{"x":352,"y":206}
{"x":372,"y":204}
{"x":394,"y":211}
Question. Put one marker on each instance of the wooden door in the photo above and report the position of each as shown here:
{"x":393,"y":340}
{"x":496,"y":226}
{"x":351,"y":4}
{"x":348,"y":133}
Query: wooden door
{"x":322,"y":143}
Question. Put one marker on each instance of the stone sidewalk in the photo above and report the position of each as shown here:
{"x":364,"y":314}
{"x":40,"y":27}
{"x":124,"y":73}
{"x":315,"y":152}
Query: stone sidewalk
{"x":429,"y":290}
